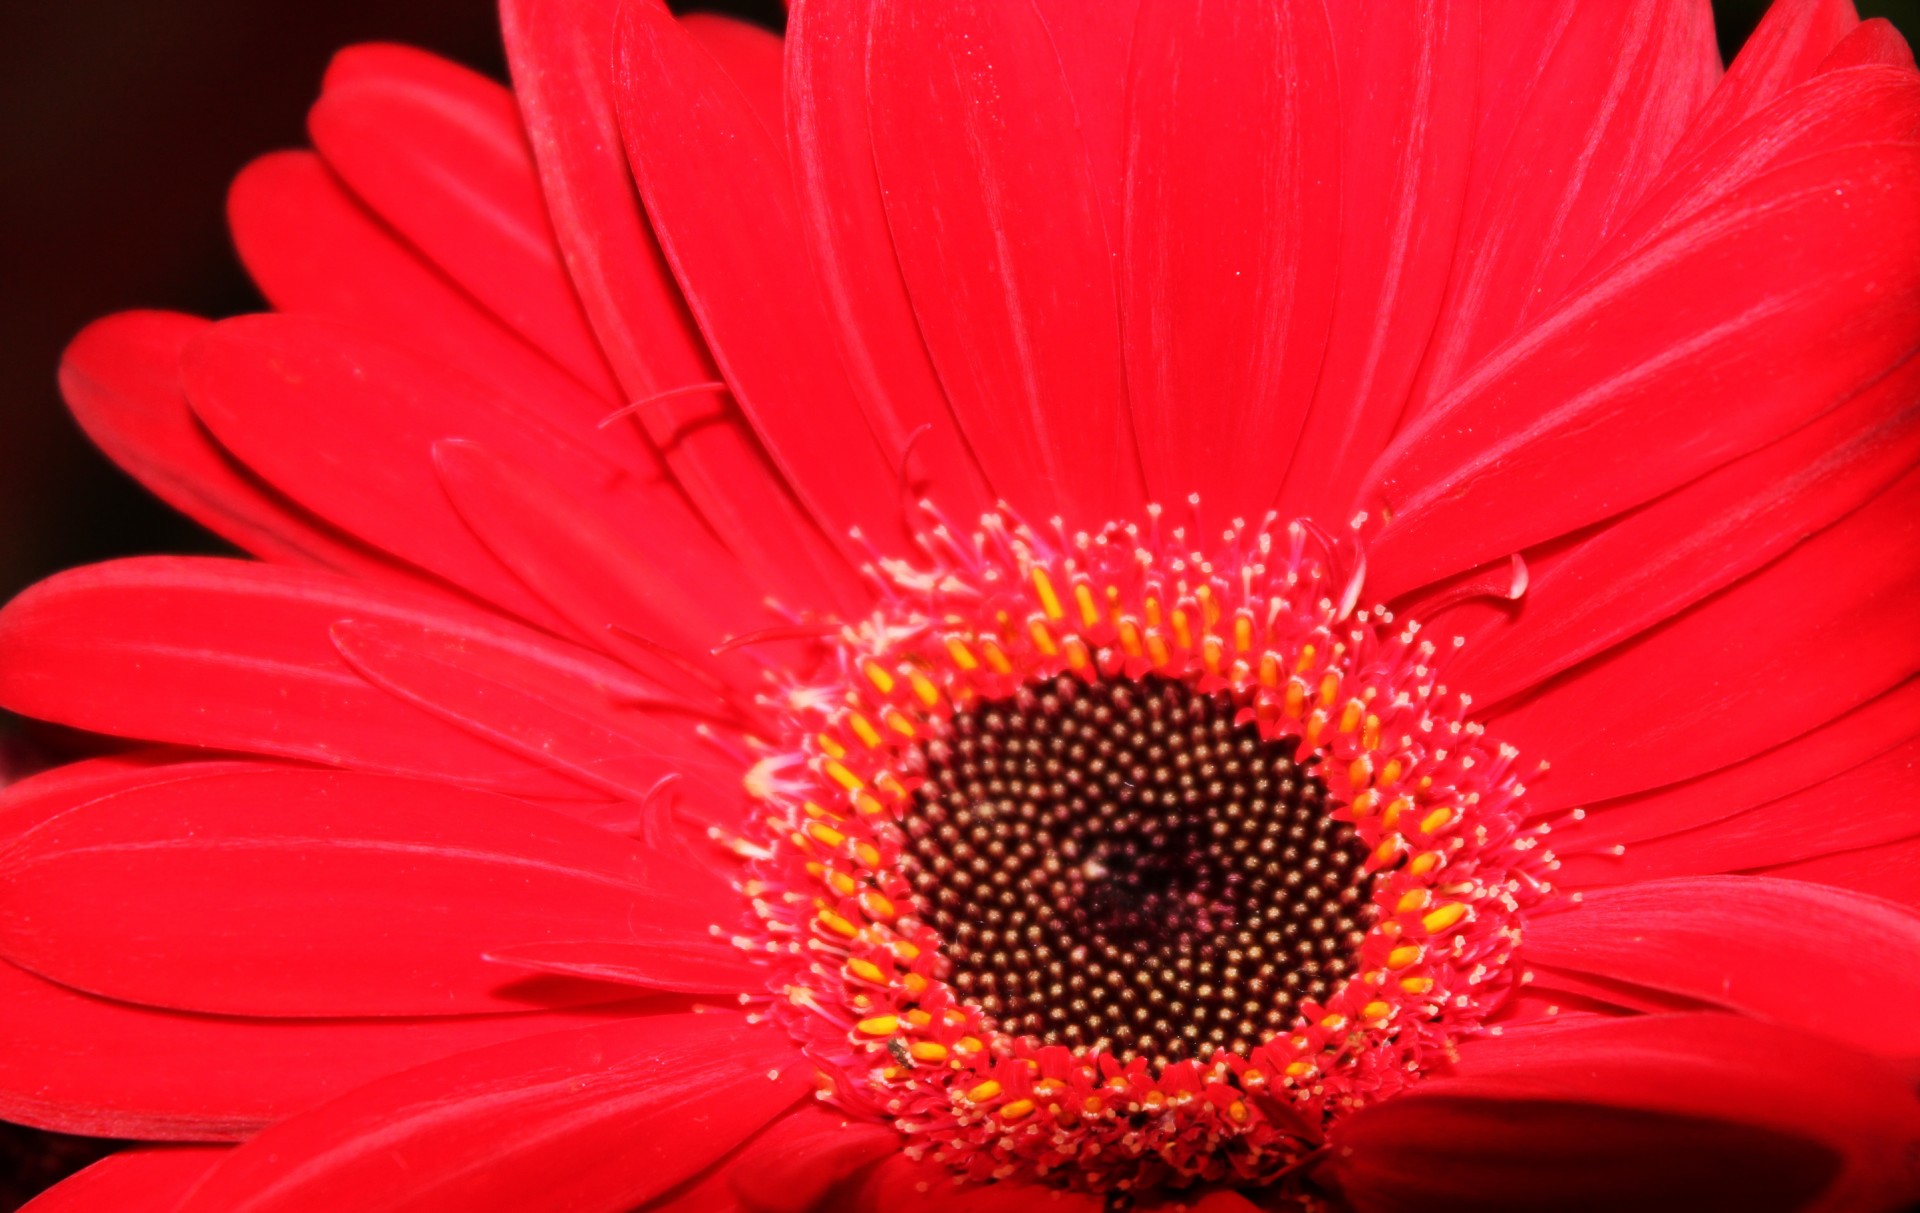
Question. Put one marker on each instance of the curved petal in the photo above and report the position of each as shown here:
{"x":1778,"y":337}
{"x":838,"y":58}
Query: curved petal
{"x":1866,"y":806}
{"x":1656,"y":372}
{"x":443,"y":160}
{"x":345,"y":423}
{"x":1789,"y":648}
{"x":326,"y":893}
{"x":901,"y":1183}
{"x":670,"y":583}
{"x":997,"y":226}
{"x":1819,"y":754}
{"x":1406,"y":129}
{"x":121,"y":379}
{"x":674,"y":964}
{"x":1787,"y":47}
{"x":1231,"y":244}
{"x":132,"y":1181}
{"x":315,"y":251}
{"x":46,"y":795}
{"x":598,"y":1120}
{"x":831,"y":147}
{"x":722,"y":204}
{"x":79,"y":1064}
{"x":792,"y":1168}
{"x":1890,"y":872}
{"x":1816,"y":959}
{"x":752,"y":56}
{"x":1611,"y":100}
{"x":542,"y":711}
{"x":1668,"y":554}
{"x":561,"y":52}
{"x":1700,"y":1109}
{"x":228,"y":654}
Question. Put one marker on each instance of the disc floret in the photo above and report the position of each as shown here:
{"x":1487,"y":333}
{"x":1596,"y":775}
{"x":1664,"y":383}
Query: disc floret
{"x":1263,"y":624}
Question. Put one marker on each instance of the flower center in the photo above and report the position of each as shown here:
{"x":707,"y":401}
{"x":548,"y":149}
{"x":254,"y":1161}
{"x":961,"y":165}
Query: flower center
{"x":1124,"y":862}
{"x":1119,"y":865}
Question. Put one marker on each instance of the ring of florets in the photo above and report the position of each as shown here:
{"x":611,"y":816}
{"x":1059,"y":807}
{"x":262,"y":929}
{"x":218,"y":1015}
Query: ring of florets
{"x":1266,"y":628}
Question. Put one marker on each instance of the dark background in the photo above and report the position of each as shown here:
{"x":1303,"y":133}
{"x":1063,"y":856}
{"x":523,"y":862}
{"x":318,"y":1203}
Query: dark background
{"x":121,"y":122}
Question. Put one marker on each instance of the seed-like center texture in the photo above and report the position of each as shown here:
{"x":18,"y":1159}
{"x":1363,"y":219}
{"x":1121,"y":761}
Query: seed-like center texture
{"x":1119,"y":864}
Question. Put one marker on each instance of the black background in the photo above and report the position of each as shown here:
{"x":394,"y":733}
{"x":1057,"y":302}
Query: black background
{"x":121,"y":122}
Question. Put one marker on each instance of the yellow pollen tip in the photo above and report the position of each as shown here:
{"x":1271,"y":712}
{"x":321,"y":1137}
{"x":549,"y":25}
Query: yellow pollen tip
{"x":880,"y":677}
{"x":927,"y":1050}
{"x":1403,"y":956}
{"x":1444,"y":917}
{"x":879,"y":1025}
{"x":842,"y":776}
{"x":1049,"y":601}
{"x":1375,"y":1010}
{"x":838,"y":925}
{"x":1089,"y":609}
{"x":825,"y":834}
{"x":867,"y":854}
{"x":864,"y":730}
{"x":1019,"y":1109}
{"x":985,"y":1091}
{"x":924,"y":689}
{"x":961,"y":654}
{"x":865,"y":970}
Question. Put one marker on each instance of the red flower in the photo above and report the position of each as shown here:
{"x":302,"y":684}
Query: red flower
{"x":719,"y":720}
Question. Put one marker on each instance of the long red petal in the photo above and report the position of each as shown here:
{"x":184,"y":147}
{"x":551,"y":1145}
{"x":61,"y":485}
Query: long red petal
{"x":79,"y":1064}
{"x":1786,"y":48}
{"x":672,"y":583}
{"x":717,"y":187}
{"x":561,"y":52}
{"x":1611,"y":102}
{"x":232,"y":655}
{"x":1554,"y":431}
{"x":1866,"y":806}
{"x":831,"y":147}
{"x":792,"y":1168}
{"x":1819,"y":754}
{"x":1406,"y":130}
{"x":1789,"y":648}
{"x":752,"y":56}
{"x":535,"y":707}
{"x":1231,"y":244}
{"x":1890,"y":872}
{"x":1654,"y":1112}
{"x":599,"y":1120}
{"x":444,"y":161}
{"x":1816,"y":959}
{"x":121,"y":378}
{"x":673,"y":964}
{"x":132,"y":1181}
{"x":997,"y":225}
{"x":1672,"y":552}
{"x":303,"y":893}
{"x":316,"y":251}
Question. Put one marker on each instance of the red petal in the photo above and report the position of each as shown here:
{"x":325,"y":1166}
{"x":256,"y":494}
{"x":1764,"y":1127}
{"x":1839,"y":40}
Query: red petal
{"x":668,"y":963}
{"x":1095,"y":44}
{"x":446,"y":164}
{"x":1826,"y":750}
{"x":227,"y":654}
{"x":121,"y":378}
{"x":316,"y":251}
{"x":526,"y":703}
{"x":132,"y":1181}
{"x":346,"y":424}
{"x":562,"y":56}
{"x":1866,"y":806}
{"x":1785,"y":49}
{"x":722,"y":204}
{"x":792,"y":1168}
{"x":676,"y":586}
{"x":1791,"y":647}
{"x":1231,"y":247}
{"x":1553,"y":432}
{"x":1672,"y":552}
{"x":1800,"y":955}
{"x":42,"y":797}
{"x":752,"y":57}
{"x":301,"y":893}
{"x":1671,"y":1111}
{"x":1891,"y":872}
{"x":1608,"y":106}
{"x":831,"y":148}
{"x":1406,"y":130}
{"x":593,"y":1121}
{"x":1875,"y":42}
{"x":77,"y":1064}
{"x":997,"y":225}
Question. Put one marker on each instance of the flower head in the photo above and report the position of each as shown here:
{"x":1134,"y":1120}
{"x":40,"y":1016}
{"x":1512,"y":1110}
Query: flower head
{"x":1012,"y":605}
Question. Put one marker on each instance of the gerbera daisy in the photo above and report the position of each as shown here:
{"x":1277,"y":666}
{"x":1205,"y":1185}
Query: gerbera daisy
{"x":1004,"y":605}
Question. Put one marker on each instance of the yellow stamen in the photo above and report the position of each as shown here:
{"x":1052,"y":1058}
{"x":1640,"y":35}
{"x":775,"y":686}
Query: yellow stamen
{"x":1049,"y":601}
